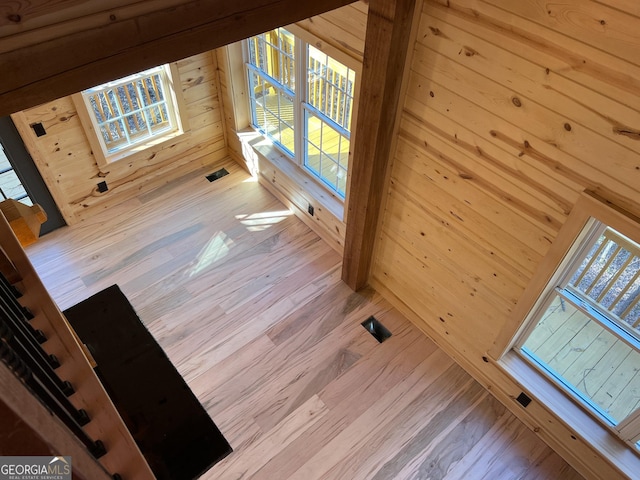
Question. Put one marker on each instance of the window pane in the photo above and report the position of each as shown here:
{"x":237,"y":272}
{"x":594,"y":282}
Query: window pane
{"x":272,"y":86}
{"x":136,"y":123}
{"x":313,"y":159}
{"x":11,"y":186}
{"x":588,"y":359}
{"x":327,"y":152}
{"x":273,"y":53}
{"x":272,"y":111}
{"x":330,"y":87}
{"x":609,"y":278}
{"x":114,"y":134}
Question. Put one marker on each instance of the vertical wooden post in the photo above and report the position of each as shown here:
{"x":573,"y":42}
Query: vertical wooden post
{"x":389,"y":28}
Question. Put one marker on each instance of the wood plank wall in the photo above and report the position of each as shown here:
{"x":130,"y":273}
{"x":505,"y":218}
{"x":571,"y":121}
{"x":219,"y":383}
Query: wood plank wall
{"x":68,"y":166}
{"x":343,"y":29}
{"x":56,"y":48}
{"x":512,"y":109}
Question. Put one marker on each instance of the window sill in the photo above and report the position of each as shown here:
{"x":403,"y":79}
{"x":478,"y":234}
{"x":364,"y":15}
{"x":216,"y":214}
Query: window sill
{"x":295,"y":188}
{"x":131,"y":152}
{"x":604,"y":443}
{"x":317,"y":193}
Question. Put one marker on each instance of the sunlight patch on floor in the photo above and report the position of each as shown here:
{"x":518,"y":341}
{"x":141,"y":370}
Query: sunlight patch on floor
{"x":216,"y":248}
{"x":257,"y":222}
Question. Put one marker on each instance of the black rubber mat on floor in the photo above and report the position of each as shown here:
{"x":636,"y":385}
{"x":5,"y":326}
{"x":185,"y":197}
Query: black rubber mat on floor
{"x":172,"y":429}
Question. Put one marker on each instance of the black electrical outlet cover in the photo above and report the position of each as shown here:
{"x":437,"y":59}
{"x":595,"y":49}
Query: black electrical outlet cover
{"x":38,"y":129}
{"x":310,"y":209}
{"x":102,"y":187}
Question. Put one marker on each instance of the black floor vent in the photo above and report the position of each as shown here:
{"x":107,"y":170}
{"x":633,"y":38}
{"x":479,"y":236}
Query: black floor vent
{"x":523,"y":399}
{"x":217,"y":174}
{"x":375,"y":328}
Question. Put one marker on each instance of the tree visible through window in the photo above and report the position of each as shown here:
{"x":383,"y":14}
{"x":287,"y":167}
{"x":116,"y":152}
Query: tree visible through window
{"x":309,"y":120}
{"x":132,"y":111}
{"x":585,"y":336}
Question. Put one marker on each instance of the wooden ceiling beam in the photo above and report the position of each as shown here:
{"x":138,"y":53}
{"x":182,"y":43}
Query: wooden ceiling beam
{"x":47,"y":53}
{"x":390,"y":26}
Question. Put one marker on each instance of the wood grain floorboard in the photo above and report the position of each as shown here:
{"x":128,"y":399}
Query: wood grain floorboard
{"x":249,"y":306}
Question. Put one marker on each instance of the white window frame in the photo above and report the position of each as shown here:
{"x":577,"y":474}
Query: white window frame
{"x":580,"y":224}
{"x":302,"y":109}
{"x":283,"y":90}
{"x":173,"y":102}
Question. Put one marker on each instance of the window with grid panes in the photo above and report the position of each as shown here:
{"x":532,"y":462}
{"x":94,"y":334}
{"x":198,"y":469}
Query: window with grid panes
{"x":131,"y":111}
{"x":584,"y":334}
{"x":309,"y":119}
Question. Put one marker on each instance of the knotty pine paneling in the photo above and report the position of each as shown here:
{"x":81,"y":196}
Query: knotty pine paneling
{"x":61,"y":47}
{"x":497,"y":139}
{"x":344,"y":28}
{"x":66,"y":162}
{"x":511,"y":110}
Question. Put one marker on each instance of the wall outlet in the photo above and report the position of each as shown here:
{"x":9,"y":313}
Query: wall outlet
{"x":310,"y":209}
{"x":38,"y":129}
{"x":102,"y":187}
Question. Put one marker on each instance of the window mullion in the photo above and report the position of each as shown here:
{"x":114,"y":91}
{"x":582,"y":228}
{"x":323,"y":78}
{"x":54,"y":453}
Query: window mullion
{"x":593,"y":232}
{"x":536,"y":313}
{"x":119,"y":118}
{"x":301,"y":91}
{"x":595,"y":312}
{"x":270,"y":79}
{"x":145,"y":112}
{"x":328,"y":120}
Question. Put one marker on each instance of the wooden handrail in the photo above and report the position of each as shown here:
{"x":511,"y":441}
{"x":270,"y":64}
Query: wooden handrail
{"x":123,"y":455}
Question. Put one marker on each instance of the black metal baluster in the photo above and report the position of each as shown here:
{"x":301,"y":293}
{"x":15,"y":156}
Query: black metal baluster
{"x":24,"y":373}
{"x":12,"y":300}
{"x":24,"y":330}
{"x":45,"y":375}
{"x":16,"y":293}
{"x":7,"y":291}
{"x":9,"y":303}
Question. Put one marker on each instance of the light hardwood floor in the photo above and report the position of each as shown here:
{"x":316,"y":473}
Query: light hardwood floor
{"x":248,"y":304}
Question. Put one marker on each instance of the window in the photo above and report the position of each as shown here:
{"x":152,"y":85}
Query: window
{"x":130,"y":114}
{"x":584,"y":332}
{"x":309,"y":121}
{"x":272,"y":86}
{"x":10,"y":184}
